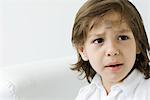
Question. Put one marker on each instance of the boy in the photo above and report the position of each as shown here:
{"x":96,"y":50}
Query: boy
{"x":113,"y":50}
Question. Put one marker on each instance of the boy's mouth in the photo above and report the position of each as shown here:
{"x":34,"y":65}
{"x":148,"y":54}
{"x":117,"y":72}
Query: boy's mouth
{"x":114,"y":67}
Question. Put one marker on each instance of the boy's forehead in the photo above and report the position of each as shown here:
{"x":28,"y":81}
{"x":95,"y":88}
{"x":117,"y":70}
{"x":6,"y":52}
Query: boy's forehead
{"x":111,"y":19}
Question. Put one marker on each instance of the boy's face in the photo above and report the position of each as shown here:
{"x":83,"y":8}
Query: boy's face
{"x":110,"y":48}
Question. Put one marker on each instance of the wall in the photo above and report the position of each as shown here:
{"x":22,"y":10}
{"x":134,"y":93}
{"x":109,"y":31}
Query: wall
{"x":33,"y":30}
{"x":143,"y":7}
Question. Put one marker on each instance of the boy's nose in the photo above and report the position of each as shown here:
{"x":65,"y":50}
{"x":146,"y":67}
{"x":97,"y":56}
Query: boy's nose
{"x":112,"y":53}
{"x":112,"y":50}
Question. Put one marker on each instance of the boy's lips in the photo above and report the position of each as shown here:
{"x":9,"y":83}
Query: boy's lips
{"x":114,"y":66}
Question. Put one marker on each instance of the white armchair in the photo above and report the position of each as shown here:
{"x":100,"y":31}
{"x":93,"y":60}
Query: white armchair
{"x":45,"y":80}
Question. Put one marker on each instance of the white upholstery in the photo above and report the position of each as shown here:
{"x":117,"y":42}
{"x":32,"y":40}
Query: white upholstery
{"x":45,"y":80}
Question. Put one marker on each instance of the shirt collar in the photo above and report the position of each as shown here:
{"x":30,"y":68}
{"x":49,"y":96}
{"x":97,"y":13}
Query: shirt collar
{"x":97,"y":80}
{"x":132,"y":81}
{"x":128,"y":85}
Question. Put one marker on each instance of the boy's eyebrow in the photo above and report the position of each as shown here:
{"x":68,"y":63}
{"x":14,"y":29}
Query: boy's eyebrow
{"x":96,"y":35}
{"x":124,"y":30}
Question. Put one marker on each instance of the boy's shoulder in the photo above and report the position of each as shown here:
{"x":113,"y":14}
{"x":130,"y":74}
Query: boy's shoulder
{"x":92,"y":86}
{"x":146,"y":83}
{"x":85,"y":91}
{"x":144,"y":86}
{"x":87,"y":88}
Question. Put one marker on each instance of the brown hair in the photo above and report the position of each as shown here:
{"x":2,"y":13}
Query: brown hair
{"x":95,"y":8}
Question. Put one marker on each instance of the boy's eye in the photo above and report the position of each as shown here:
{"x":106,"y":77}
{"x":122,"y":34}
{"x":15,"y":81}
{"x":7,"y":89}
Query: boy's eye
{"x":98,"y":41}
{"x":123,"y":37}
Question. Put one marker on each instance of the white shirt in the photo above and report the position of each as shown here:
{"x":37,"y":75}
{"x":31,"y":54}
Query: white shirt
{"x":134,"y":87}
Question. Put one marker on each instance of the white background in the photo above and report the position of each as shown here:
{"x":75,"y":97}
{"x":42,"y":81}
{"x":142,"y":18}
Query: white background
{"x":34,"y":30}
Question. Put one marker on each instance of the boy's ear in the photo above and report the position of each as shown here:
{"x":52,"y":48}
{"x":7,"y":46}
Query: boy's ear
{"x":83,"y":53}
{"x":138,"y":51}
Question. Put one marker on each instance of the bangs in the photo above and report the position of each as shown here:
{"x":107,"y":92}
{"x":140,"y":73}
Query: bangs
{"x":98,"y":20}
